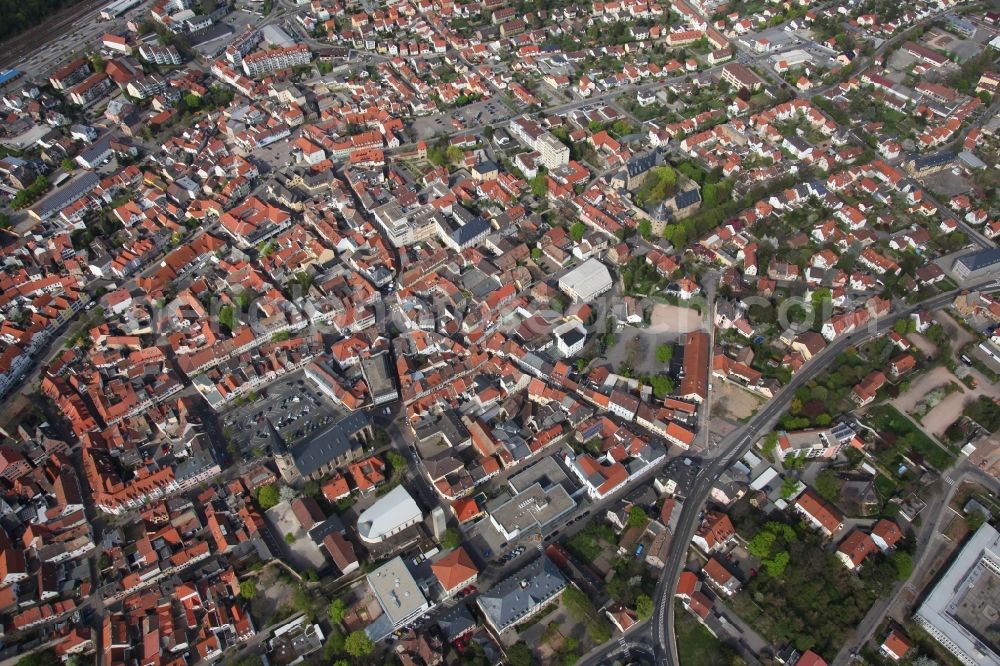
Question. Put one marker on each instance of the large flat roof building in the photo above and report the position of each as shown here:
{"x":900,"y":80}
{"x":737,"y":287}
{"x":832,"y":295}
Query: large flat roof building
{"x":587,"y":281}
{"x":977,"y":264}
{"x":399,"y":596}
{"x":533,"y":509}
{"x":379,"y":377}
{"x":960,"y":611}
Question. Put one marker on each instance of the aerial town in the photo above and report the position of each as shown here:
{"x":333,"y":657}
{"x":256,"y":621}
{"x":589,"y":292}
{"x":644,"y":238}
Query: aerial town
{"x":482,"y":332}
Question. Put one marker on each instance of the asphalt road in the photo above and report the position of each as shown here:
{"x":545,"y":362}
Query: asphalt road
{"x":729,"y":449}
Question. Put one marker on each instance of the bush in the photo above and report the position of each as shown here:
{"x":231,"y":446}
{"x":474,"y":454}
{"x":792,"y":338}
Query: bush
{"x":336,"y":611}
{"x":644,"y":607}
{"x":268,"y":496}
{"x":357,"y":644}
{"x":451,"y":539}
{"x":248,"y":589}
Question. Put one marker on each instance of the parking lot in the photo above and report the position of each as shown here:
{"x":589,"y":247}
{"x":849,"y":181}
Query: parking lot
{"x":289,"y":410}
{"x":485,"y":112}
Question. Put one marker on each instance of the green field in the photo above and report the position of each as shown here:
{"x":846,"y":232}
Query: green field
{"x":890,"y":422}
{"x":696,"y":646}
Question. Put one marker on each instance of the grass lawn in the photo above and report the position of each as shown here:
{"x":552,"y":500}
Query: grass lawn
{"x":889,"y":421}
{"x":696,"y":646}
{"x":586,"y":544}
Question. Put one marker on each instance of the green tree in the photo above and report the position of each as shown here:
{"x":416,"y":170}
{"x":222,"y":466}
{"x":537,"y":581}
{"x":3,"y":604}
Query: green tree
{"x":761,"y":543}
{"x":664,"y":353}
{"x":336,"y":611}
{"x":41,"y":658}
{"x":397,"y":463}
{"x":289,"y":538}
{"x":227,"y":317}
{"x":645,"y":228}
{"x":788,"y":487}
{"x":769,"y":444}
{"x":451,"y":539}
{"x":577,"y":231}
{"x":599,"y":632}
{"x":828,"y":485}
{"x":248,"y":589}
{"x":539,"y":186}
{"x":268,"y":496}
{"x":334,"y":643}
{"x":357,"y":644}
{"x":453,"y":155}
{"x":192,"y":102}
{"x":776,"y":565}
{"x":709,"y":194}
{"x":644,"y":607}
{"x":662,"y":385}
{"x":903,"y":563}
{"x":67,"y":164}
{"x":637,"y":517}
{"x":519,"y":655}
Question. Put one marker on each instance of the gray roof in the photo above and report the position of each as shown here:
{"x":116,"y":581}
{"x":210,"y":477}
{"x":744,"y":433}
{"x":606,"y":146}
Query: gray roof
{"x":67,"y":194}
{"x":396,"y":590}
{"x":980,"y":259}
{"x":448,"y":425}
{"x":533,"y":508}
{"x":456,"y":622}
{"x":511,"y":600}
{"x":571,"y":337}
{"x":546,"y":472}
{"x":689,"y":198}
{"x":331,"y":444}
{"x":937,"y":159}
{"x":96,"y":150}
{"x":469,"y":231}
{"x":640,"y":164}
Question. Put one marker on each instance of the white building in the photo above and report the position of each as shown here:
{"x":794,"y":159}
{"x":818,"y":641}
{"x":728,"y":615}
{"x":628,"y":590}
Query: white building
{"x":390,"y":515}
{"x":570,"y":338}
{"x":587,"y":281}
{"x":949,"y":612}
{"x":399,"y":596}
{"x":265,"y":62}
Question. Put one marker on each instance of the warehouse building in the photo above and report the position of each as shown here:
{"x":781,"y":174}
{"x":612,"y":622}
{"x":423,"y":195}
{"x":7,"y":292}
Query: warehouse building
{"x":587,"y":281}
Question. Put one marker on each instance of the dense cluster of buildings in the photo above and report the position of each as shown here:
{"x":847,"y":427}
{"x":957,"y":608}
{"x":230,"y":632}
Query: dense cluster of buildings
{"x":217,"y":237}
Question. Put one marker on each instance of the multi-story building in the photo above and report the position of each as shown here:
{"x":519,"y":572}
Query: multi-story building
{"x":70,"y":74}
{"x":265,"y":62}
{"x":160,"y":55}
{"x":399,"y":595}
{"x":554,"y":153}
{"x":242,"y":44}
{"x":519,"y":597}
{"x":90,"y":89}
{"x":952,"y":611}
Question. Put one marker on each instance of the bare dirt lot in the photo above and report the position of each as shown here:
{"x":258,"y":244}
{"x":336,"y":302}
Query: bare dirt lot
{"x":959,"y":336}
{"x":926,"y":347}
{"x":731,"y":402}
{"x":673,"y":319}
{"x":274,"y":594}
{"x":937,"y":420}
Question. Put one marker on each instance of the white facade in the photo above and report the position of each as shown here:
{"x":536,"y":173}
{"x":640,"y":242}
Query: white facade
{"x":390,"y":515}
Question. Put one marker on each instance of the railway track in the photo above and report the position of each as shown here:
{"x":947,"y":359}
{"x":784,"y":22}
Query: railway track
{"x":15,"y":49}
